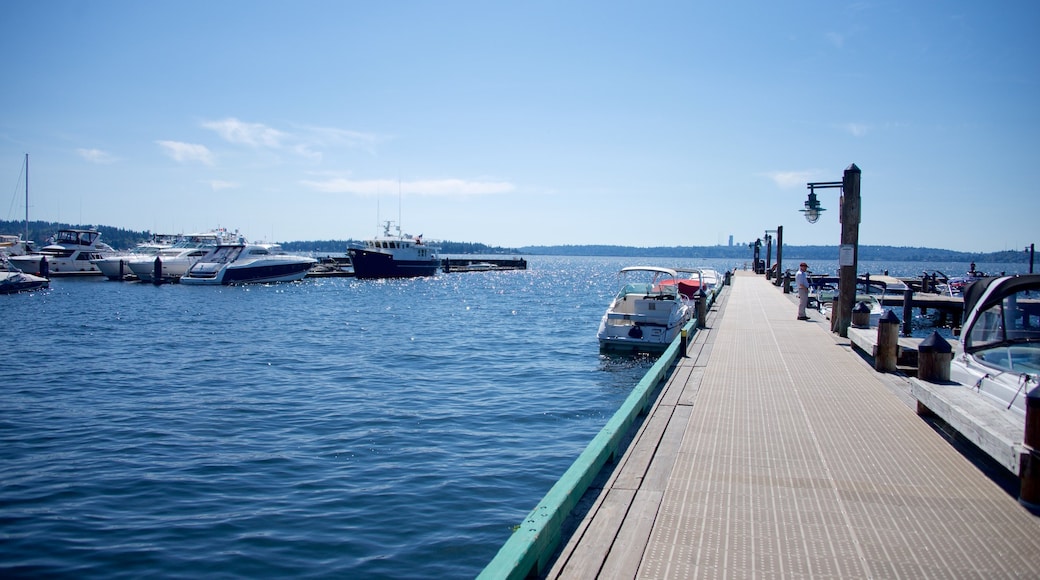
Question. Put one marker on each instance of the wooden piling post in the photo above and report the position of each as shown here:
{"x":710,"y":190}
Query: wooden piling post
{"x":888,"y":343}
{"x":933,"y":359}
{"x":861,"y":315}
{"x":684,"y":341}
{"x":1029,"y":470}
{"x":908,"y":311}
{"x":702,"y":311}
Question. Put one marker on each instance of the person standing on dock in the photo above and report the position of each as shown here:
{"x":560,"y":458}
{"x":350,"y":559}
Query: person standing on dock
{"x":801,"y":282}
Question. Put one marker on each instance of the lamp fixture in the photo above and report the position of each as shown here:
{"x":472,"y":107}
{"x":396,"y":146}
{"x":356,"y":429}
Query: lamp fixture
{"x":812,"y":208}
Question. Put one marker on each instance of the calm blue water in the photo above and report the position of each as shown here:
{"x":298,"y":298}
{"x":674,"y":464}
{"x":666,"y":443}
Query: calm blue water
{"x":377,"y":429}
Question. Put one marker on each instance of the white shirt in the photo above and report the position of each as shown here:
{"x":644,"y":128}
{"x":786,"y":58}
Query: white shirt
{"x":801,"y":279}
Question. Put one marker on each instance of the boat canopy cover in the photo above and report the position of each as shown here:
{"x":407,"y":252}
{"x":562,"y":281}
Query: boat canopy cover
{"x":985,"y":321}
{"x":1002,"y":286}
{"x":657,"y":269}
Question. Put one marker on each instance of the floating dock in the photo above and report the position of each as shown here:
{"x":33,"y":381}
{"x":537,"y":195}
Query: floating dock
{"x":775,"y":450}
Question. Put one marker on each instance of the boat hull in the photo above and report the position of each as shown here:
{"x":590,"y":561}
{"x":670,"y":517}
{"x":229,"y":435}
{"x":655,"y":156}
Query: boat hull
{"x":284,"y":271}
{"x":30,"y":264}
{"x":114,"y":268}
{"x":12,"y":282}
{"x":368,"y":264}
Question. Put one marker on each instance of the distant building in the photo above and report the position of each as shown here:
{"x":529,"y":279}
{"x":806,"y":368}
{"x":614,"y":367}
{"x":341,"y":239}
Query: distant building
{"x":731,"y":240}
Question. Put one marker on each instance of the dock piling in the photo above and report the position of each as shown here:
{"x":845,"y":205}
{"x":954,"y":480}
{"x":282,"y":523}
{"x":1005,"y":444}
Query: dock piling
{"x":908,"y":308}
{"x":933,"y":359}
{"x":1029,"y":473}
{"x":888,"y":342}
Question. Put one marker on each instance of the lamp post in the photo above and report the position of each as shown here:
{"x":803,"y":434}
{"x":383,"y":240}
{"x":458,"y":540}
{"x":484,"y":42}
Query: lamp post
{"x":769,"y":252}
{"x":756,"y":247}
{"x":848,"y":253}
{"x":779,"y":252}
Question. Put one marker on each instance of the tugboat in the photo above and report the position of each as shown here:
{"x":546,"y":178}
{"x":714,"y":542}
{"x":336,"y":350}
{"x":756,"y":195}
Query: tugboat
{"x":394,"y":256}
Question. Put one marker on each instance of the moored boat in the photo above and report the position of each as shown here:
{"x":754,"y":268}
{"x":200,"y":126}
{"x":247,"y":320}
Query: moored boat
{"x":394,"y":256}
{"x":117,"y":267}
{"x":69,"y":254}
{"x":243,"y":263}
{"x":999,"y":354}
{"x":175,"y":261}
{"x":13,"y":280}
{"x":647,"y":312}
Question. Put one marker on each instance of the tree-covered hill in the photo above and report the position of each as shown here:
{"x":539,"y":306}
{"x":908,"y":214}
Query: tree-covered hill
{"x":120,"y":238}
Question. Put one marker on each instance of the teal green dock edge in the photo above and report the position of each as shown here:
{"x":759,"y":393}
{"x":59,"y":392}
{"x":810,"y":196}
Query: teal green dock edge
{"x":526,"y":553}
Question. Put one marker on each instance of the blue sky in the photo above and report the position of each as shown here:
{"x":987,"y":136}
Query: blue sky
{"x":517,"y":123}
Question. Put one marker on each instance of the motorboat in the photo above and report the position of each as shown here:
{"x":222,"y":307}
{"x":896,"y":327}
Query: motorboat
{"x":329,"y":266}
{"x":12,"y":245}
{"x":69,"y":254}
{"x":117,"y":267}
{"x":1000,"y":340}
{"x":695,"y":279}
{"x":243,"y":263}
{"x":13,"y":280}
{"x":175,"y":260}
{"x":394,"y":255}
{"x":647,"y":312}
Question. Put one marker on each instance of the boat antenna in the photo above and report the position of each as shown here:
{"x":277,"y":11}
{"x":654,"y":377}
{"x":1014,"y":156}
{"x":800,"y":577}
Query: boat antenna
{"x":398,"y":204}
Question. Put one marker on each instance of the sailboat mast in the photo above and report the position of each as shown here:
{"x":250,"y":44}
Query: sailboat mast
{"x":27,"y":198}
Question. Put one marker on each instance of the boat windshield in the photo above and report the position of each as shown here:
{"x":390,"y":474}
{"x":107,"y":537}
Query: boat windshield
{"x":1013,"y":320}
{"x":224,"y":254}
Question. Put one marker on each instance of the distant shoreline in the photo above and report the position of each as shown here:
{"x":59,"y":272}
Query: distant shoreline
{"x":125,"y":239}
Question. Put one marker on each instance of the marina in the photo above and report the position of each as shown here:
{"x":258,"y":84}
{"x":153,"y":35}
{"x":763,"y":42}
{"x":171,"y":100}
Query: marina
{"x":336,"y":426}
{"x":774,"y":449}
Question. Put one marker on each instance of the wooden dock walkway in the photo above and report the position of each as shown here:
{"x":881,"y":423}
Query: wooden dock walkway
{"x":776,"y":451}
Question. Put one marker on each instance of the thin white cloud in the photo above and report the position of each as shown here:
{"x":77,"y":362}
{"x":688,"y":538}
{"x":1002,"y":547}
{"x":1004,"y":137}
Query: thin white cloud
{"x":96,"y":156}
{"x":856,"y":129}
{"x":331,"y":136}
{"x":252,"y":134}
{"x":835,"y":39}
{"x":306,"y":141}
{"x":433,"y":187}
{"x":791,"y":179}
{"x":218,"y":185}
{"x":183,"y":152}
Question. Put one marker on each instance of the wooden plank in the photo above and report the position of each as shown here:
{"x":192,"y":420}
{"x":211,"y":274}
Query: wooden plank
{"x":585,"y":560}
{"x":693,"y":384}
{"x":627,"y":552}
{"x":997,"y":432}
{"x":667,"y":450}
{"x":633,"y":466}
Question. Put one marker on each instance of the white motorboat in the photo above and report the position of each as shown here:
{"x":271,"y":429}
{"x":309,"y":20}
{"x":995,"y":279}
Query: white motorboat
{"x":11,"y":245}
{"x":117,"y":267}
{"x":243,"y":263}
{"x":69,"y":254}
{"x":1000,"y":340}
{"x":13,"y":280}
{"x":394,"y":256}
{"x":647,"y":312}
{"x":175,"y":261}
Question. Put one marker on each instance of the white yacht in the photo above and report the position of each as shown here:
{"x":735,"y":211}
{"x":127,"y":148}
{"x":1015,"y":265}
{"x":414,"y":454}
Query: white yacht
{"x":69,"y":254}
{"x":1000,"y":340}
{"x":117,"y":267}
{"x":647,"y":312}
{"x":175,"y":261}
{"x":11,"y":245}
{"x":247,"y":263}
